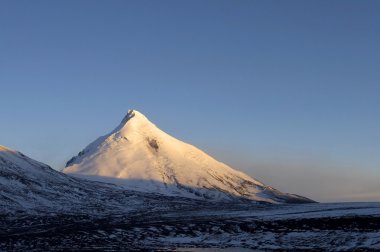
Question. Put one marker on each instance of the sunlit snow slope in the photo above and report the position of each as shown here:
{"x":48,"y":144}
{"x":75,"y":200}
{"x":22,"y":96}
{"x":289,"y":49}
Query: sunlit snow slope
{"x":140,"y":156}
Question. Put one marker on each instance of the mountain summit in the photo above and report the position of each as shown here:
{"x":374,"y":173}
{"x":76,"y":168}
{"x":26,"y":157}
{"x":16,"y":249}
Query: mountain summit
{"x":140,"y":156}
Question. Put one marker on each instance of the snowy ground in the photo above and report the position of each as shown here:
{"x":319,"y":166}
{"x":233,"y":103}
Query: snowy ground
{"x":44,"y":210}
{"x":168,"y":224}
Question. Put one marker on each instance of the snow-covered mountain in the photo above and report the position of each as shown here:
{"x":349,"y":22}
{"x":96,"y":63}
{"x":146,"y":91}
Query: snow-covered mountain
{"x":42,"y":209}
{"x":25,"y":183}
{"x":140,"y":156}
{"x":30,"y":186}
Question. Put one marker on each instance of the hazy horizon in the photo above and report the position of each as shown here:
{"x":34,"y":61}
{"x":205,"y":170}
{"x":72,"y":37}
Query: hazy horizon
{"x":284,"y":91}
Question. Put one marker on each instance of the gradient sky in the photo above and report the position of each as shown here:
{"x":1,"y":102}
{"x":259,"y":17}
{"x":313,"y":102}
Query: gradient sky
{"x":287,"y":91}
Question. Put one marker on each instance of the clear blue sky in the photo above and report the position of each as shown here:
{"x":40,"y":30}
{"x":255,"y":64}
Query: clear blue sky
{"x":287,"y":91}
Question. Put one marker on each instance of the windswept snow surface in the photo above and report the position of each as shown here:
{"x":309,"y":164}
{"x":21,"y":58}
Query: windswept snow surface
{"x":190,"y":224}
{"x":140,"y":156}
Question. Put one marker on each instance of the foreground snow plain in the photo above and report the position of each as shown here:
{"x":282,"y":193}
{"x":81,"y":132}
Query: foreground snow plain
{"x":164,"y":223}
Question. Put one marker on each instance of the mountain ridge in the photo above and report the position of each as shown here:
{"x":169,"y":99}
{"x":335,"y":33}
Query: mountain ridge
{"x":137,"y":150}
{"x":34,"y":188}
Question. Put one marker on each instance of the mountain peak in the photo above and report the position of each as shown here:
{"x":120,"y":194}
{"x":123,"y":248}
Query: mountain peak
{"x":135,"y":115}
{"x":134,"y":121}
{"x":140,"y":156}
{"x":129,"y":115}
